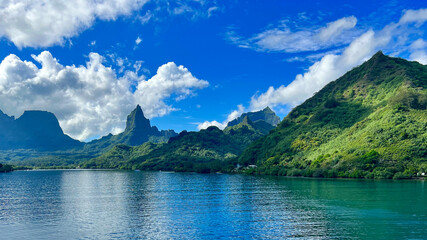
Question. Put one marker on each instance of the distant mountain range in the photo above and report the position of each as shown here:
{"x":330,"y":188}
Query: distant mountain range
{"x":369,"y":123}
{"x":138,"y":131}
{"x":203,"y":151}
{"x":37,"y":139}
{"x":40,"y":131}
{"x":267,"y":115}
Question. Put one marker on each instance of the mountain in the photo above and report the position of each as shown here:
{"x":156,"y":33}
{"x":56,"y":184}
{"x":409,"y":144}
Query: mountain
{"x":208,"y":150}
{"x":138,"y":131}
{"x":369,"y":123}
{"x":38,"y":130}
{"x":267,"y":115}
{"x":118,"y":156}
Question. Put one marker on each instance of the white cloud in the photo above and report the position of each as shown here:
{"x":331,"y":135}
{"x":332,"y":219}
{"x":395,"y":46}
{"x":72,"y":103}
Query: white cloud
{"x":146,"y":18}
{"x":207,"y":124}
{"x":194,"y":9}
{"x":418,"y":51}
{"x":332,"y":66}
{"x":43,"y":23}
{"x":419,"y":56}
{"x":414,"y":16}
{"x":334,"y":29}
{"x":283,"y":39}
{"x":170,"y":80}
{"x":233,"y":115}
{"x":211,"y":10}
{"x":138,"y":40}
{"x":89,"y":100}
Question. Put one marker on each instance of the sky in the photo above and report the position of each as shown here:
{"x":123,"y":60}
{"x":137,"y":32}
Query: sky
{"x":189,"y":64}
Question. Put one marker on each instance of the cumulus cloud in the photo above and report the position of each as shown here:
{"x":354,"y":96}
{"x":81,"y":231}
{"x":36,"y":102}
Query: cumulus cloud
{"x":283,"y":39}
{"x":170,"y":80}
{"x":233,"y":115}
{"x":332,"y":66}
{"x":43,"y":23}
{"x":418,"y":51}
{"x":89,"y":100}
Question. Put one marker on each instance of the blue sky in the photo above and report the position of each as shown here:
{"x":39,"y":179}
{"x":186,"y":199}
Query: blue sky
{"x":189,"y":63}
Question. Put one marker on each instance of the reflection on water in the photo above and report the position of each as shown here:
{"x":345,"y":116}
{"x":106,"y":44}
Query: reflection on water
{"x":159,"y":205}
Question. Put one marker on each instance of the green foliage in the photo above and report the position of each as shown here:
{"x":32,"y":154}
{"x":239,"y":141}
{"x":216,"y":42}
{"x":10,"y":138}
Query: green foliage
{"x":407,"y":98}
{"x":5,"y":168}
{"x":370,"y":123}
{"x":138,"y":131}
{"x":118,"y":156}
{"x":207,"y":151}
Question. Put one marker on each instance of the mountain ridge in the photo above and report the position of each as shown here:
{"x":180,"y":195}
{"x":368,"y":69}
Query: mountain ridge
{"x":207,"y":150}
{"x":34,"y":129}
{"x":138,"y":131}
{"x":266,"y":115}
{"x":369,"y":123}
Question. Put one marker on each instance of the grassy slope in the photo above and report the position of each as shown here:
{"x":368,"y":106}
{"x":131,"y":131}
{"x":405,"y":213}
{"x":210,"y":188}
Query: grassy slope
{"x":118,"y":156}
{"x":369,"y":123}
{"x":208,"y":150}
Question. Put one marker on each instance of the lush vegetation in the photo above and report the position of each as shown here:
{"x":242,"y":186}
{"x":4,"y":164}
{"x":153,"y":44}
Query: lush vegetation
{"x":45,"y":159}
{"x":138,"y":131}
{"x":208,"y":150}
{"x":370,"y":123}
{"x":36,"y":140}
{"x":119,"y":155}
{"x":5,"y":168}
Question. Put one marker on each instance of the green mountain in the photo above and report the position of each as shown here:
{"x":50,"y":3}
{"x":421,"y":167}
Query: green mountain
{"x":369,"y":123}
{"x":118,"y":156}
{"x":208,"y":150}
{"x":4,"y":168}
{"x":138,"y":131}
{"x":267,"y":115}
{"x":37,"y":130}
{"x":36,"y":139}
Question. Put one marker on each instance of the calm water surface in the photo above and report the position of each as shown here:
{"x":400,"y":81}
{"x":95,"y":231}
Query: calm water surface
{"x":157,"y":205}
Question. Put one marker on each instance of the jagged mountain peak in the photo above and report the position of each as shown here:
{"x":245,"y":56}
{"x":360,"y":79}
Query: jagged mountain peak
{"x":136,"y":120}
{"x":266,"y":115}
{"x":138,"y":131}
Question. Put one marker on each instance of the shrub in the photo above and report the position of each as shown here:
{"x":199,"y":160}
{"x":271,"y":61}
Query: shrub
{"x":294,"y":172}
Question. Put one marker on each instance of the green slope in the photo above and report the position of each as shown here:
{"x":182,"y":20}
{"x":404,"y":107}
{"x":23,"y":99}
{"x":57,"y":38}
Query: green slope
{"x":138,"y":131}
{"x":369,"y":123}
{"x":208,"y":150}
{"x":119,"y":155}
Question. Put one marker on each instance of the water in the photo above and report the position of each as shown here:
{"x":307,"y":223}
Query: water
{"x":157,"y":205}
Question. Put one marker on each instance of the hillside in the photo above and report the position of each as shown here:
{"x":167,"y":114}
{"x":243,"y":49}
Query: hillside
{"x":118,"y":156}
{"x":208,"y":150}
{"x":369,"y":123}
{"x":36,"y":139}
{"x":138,"y":131}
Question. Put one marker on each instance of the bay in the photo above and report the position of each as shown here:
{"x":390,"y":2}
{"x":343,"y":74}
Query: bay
{"x":84,"y":204}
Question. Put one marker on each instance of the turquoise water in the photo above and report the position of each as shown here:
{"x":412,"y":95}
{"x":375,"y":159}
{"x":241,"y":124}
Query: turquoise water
{"x":78,"y":204}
